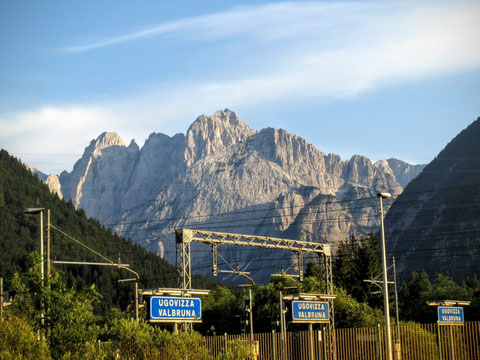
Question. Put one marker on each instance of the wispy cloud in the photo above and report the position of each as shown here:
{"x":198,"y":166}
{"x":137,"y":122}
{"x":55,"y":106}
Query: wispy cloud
{"x":323,"y":51}
{"x":277,"y":21}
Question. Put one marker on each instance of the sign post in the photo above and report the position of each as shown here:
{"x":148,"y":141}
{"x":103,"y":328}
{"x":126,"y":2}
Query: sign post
{"x":310,"y":309}
{"x":449,"y":312}
{"x":175,"y":305}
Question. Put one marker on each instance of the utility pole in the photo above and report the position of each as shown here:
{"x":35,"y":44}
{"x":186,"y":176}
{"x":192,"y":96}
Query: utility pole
{"x":250,"y":312}
{"x":1,"y":299}
{"x":397,"y":316}
{"x":382,"y":196}
{"x":48,"y":244}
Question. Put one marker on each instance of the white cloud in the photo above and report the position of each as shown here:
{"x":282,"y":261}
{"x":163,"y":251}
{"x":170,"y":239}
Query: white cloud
{"x":323,"y":51}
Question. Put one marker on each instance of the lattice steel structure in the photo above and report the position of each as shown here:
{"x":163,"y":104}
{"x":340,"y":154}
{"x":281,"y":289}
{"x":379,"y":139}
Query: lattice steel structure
{"x":184,"y":237}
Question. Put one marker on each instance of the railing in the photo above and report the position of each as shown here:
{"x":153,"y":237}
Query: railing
{"x":417,"y":342}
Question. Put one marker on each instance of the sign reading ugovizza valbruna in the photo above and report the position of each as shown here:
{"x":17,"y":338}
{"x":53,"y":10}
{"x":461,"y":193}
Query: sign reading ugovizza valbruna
{"x":310,"y":311}
{"x":175,"y":309}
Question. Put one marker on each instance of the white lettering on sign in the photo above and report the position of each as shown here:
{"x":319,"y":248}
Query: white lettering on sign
{"x":312,"y":315}
{"x":177,"y":313}
{"x":311,"y":306}
{"x":176,"y":302}
{"x":454,"y":311}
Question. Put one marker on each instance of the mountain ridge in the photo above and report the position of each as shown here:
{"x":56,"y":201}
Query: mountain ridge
{"x":220,"y":171}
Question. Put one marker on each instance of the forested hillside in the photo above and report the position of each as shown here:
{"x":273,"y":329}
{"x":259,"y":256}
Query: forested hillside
{"x":434,"y":224}
{"x":20,"y":236}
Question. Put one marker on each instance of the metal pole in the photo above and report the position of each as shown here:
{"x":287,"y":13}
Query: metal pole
{"x":398,"y":346}
{"x":274,"y":345}
{"x":281,"y":313}
{"x":452,"y":346}
{"x":250,"y":310}
{"x":397,"y":316}
{"x":385,"y":285}
{"x":48,"y":244}
{"x":42,"y":271}
{"x":439,"y":340}
{"x":310,"y":335}
{"x":379,"y":342}
{"x":1,"y":299}
{"x":136,"y":301}
{"x":42,"y":268}
{"x":282,"y":327}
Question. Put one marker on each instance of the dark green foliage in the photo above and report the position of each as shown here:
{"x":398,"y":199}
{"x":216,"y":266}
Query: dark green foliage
{"x":350,"y":313}
{"x":221,"y":312}
{"x":415,"y":292}
{"x":69,"y":322}
{"x":20,"y":234}
{"x":357,"y":260}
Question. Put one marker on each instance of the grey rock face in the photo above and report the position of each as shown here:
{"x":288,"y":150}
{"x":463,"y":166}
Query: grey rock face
{"x":224,"y":176}
{"x":54,"y":185}
{"x":209,"y":134}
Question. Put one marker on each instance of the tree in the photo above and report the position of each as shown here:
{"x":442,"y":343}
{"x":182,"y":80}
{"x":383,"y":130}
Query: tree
{"x":351,"y":313}
{"x":69,"y":320}
{"x":357,"y":260}
{"x":410,"y":297}
{"x":221,"y":311}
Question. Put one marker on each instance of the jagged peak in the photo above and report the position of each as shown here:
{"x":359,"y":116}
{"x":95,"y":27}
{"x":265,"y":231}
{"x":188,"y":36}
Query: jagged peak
{"x":103,"y":141}
{"x":133,"y":146}
{"x":221,"y":118}
{"x":358,"y":158}
{"x":207,"y":134}
{"x":107,"y":139}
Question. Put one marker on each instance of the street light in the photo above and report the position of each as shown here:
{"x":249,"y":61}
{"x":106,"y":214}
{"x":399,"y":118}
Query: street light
{"x":382,"y":196}
{"x":34,"y":211}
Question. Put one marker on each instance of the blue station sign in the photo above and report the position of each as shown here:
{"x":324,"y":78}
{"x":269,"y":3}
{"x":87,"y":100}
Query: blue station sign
{"x":310,"y":311}
{"x":175,"y":309}
{"x":450,"y":315}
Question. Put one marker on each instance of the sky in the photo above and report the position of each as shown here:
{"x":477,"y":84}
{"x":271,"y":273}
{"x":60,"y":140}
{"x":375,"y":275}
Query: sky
{"x":376,"y":78}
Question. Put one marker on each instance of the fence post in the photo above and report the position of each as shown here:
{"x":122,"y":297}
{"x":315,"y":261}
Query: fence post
{"x":310,"y":340}
{"x":274,"y":355}
{"x":324,"y":347}
{"x":379,"y":342}
{"x":1,"y":299}
{"x":226,"y":340}
{"x":439,"y":340}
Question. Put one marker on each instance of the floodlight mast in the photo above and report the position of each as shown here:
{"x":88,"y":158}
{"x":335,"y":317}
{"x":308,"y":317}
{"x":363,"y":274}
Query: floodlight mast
{"x":382,"y":196}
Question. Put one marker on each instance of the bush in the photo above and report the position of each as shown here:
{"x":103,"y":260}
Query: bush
{"x":236,"y":350}
{"x":19,"y":341}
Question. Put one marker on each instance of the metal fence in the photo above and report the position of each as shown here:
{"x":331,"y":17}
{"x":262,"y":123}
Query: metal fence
{"x":415,"y":342}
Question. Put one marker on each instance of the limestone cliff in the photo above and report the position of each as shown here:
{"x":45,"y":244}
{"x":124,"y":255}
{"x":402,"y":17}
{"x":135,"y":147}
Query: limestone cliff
{"x":224,"y":176}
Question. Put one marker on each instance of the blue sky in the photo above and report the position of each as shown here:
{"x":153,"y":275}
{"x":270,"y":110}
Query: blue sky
{"x":376,"y":78}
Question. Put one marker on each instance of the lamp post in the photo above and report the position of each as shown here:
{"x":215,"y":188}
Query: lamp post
{"x":382,"y":196}
{"x":34,"y":211}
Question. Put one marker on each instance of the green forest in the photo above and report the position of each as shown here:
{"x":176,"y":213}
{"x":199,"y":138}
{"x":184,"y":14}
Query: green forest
{"x":83,"y":307}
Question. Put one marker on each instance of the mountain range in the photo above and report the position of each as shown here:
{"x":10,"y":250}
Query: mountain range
{"x":224,"y":176}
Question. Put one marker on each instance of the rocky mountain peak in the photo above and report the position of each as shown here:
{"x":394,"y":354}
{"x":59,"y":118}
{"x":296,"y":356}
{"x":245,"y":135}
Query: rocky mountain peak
{"x":106,"y":140}
{"x":208,"y":134}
